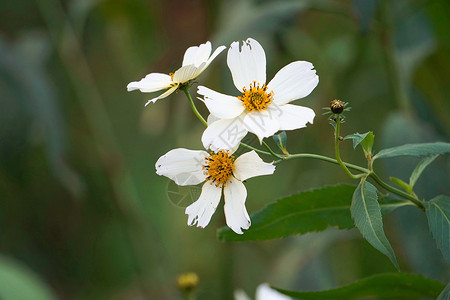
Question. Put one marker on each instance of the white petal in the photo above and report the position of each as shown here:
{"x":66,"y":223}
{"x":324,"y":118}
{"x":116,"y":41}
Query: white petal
{"x":224,"y":134}
{"x":201,"y":211}
{"x":240,"y":295}
{"x":197,"y":55}
{"x":220,"y":105}
{"x":294,"y":81}
{"x":294,"y":116}
{"x":214,"y":55}
{"x":264,"y":292}
{"x":185,"y":73}
{"x":235,"y":212}
{"x":182,"y":166}
{"x":151,"y":83}
{"x":211,"y":119}
{"x":250,"y":165}
{"x":262,"y":123}
{"x":163,"y":95}
{"x":247,"y":65}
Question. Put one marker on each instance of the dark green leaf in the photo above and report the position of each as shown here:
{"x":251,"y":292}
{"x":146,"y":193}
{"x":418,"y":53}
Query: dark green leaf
{"x":420,"y":168}
{"x":415,"y":150}
{"x":392,"y":285}
{"x":18,"y":282}
{"x":445,"y":295}
{"x":438,"y":214}
{"x":366,"y":212}
{"x":307,"y":211}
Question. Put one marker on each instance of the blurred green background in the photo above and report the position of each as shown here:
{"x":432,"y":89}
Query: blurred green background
{"x":83,"y":214}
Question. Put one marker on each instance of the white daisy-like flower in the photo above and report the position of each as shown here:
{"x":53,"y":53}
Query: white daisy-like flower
{"x":195,"y":61}
{"x":263,"y":292}
{"x":221,"y":172}
{"x":261,"y":109}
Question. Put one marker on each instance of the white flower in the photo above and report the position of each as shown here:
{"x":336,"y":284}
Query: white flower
{"x":261,"y":109}
{"x":195,"y":61}
{"x":220,"y":171}
{"x":263,"y":292}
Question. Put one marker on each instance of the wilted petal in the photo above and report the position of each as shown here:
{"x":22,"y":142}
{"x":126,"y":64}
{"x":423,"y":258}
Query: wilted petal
{"x":163,"y":95}
{"x":201,"y":211}
{"x":235,"y":212}
{"x":151,"y":83}
{"x":182,"y":166}
{"x":250,"y":165}
{"x":294,"y":81}
{"x":221,"y":105}
{"x":248,"y":64}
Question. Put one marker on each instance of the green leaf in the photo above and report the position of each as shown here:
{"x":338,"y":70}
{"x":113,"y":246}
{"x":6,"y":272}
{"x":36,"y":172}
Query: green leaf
{"x":401,"y":183}
{"x":357,"y":138}
{"x":445,"y":295}
{"x":415,"y":150}
{"x":392,"y":285}
{"x":19,"y":282}
{"x":366,"y":212}
{"x":420,"y":168}
{"x":314,"y":210}
{"x":281,"y":139}
{"x":438,"y":214}
{"x":365,"y":139}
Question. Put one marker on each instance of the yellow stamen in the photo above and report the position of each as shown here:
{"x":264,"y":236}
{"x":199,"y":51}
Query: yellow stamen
{"x":171,"y":76}
{"x":219,"y":166}
{"x":256,"y":98}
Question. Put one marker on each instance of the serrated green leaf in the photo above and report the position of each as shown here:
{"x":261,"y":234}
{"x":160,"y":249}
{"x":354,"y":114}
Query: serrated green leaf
{"x":19,"y":282}
{"x":366,"y":212}
{"x":401,"y":183}
{"x":304,"y":212}
{"x":365,"y":139}
{"x":415,"y":150}
{"x":438,"y":214}
{"x":445,"y":294}
{"x":367,"y":143}
{"x":281,"y":140}
{"x":356,"y":138}
{"x":392,"y":285}
{"x":420,"y":168}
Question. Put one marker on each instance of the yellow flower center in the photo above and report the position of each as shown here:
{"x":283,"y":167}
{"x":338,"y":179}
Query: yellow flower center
{"x":219,"y":166}
{"x":256,"y":98}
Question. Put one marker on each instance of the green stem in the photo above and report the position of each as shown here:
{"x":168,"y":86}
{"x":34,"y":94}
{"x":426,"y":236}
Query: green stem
{"x":336,"y":151}
{"x":271,"y":151}
{"x":185,"y":88}
{"x":255,"y":149}
{"x":394,"y":190}
{"x":321,"y":157}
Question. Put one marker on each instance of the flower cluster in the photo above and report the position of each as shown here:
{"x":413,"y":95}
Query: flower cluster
{"x":262,"y":109}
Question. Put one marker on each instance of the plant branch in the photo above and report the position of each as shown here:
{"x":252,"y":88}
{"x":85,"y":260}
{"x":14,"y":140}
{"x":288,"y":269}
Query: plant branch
{"x":336,"y":151}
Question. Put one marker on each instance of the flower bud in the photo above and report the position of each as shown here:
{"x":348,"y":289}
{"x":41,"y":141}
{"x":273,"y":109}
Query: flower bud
{"x":187,"y":282}
{"x":337,"y":106}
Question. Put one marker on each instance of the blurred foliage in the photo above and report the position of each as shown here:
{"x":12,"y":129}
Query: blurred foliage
{"x":81,"y":205}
